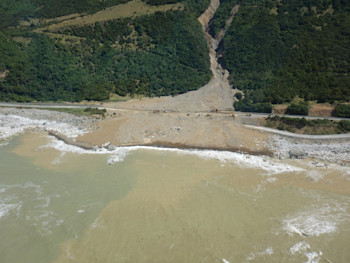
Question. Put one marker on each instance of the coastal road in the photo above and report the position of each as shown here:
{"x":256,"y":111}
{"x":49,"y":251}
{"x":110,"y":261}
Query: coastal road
{"x":254,"y":115}
{"x":301,"y":136}
{"x":248,"y":115}
{"x":48,"y":105}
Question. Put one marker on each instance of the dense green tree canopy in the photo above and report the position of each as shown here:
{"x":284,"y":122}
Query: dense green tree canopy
{"x":274,"y":50}
{"x":158,"y":54}
{"x":277,"y":50}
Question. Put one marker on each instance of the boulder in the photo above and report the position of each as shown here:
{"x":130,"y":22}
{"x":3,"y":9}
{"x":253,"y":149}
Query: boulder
{"x":297,"y":154}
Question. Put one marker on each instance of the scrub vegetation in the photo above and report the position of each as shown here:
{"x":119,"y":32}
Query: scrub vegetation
{"x":153,"y":54}
{"x":277,"y":50}
{"x":303,"y":126}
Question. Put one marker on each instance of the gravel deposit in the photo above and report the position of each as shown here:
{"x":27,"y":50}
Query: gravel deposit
{"x":337,"y":151}
{"x":14,"y":121}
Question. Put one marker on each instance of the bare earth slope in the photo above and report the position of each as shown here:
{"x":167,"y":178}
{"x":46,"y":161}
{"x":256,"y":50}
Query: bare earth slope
{"x":198,"y":119}
{"x":217,"y":94}
{"x":188,"y":120}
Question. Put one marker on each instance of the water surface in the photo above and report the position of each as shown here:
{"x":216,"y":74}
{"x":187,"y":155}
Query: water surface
{"x":63,"y":204}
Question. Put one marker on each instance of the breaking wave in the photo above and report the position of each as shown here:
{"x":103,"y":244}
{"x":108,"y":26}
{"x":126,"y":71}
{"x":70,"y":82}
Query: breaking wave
{"x":118,"y":154}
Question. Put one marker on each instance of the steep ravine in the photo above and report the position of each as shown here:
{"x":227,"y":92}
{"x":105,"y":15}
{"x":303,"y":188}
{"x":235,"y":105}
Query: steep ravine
{"x":217,"y":94}
{"x":218,"y":72}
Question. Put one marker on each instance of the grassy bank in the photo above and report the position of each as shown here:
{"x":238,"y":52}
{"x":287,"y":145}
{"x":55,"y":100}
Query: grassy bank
{"x":81,"y":111}
{"x":303,"y":126}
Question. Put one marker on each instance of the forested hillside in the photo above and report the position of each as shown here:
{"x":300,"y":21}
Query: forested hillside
{"x":154,"y":48}
{"x":278,"y":50}
{"x":275,"y":50}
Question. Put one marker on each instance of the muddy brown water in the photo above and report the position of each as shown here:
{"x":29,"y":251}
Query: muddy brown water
{"x":59,"y":203}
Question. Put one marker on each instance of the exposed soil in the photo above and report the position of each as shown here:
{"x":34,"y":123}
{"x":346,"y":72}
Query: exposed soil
{"x":228,"y":23}
{"x":324,"y":110}
{"x":317,"y":110}
{"x":201,"y":119}
{"x":129,"y":9}
{"x":194,"y":119}
{"x":195,"y":130}
{"x":217,"y":94}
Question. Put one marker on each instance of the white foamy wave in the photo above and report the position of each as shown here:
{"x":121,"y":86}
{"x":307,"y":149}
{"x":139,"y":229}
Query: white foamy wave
{"x":314,"y":175}
{"x":9,"y":203}
{"x":63,"y":147}
{"x":6,"y":209}
{"x":316,"y":221}
{"x":303,"y":248}
{"x":59,"y":159}
{"x":118,"y":155}
{"x":45,"y":220}
{"x":309,"y":226}
{"x":271,"y":179}
{"x":267,"y":252}
{"x":300,"y":247}
{"x":269,"y":165}
{"x":115,"y":159}
{"x":246,"y":160}
{"x":31,"y":198}
{"x":11,"y":125}
{"x":313,"y":257}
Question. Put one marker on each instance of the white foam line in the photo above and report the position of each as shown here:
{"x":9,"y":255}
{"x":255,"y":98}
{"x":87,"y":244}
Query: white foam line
{"x":313,"y":257}
{"x":117,"y":155}
{"x":305,"y":249}
{"x":267,"y":252}
{"x":11,"y":125}
{"x":299,"y":248}
{"x":317,"y":221}
{"x":5,"y":209}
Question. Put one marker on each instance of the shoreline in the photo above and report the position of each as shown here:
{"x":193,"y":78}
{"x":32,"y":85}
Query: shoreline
{"x":200,"y":119}
{"x":159,"y":144}
{"x":272,"y":145}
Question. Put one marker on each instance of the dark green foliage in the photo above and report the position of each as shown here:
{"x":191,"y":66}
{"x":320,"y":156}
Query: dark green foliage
{"x":195,"y":8}
{"x":288,"y":54}
{"x":294,"y":122}
{"x":238,"y":96}
{"x":342,"y":110}
{"x":106,"y":32}
{"x":43,"y":70}
{"x":154,"y":55}
{"x":11,"y":12}
{"x":298,"y":109}
{"x":345,"y":125}
{"x":221,"y":16}
{"x":318,"y":126}
{"x":246,"y":105}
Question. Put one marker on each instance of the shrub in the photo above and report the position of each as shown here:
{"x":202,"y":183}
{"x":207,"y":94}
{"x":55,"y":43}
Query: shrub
{"x":344,"y":125}
{"x":342,"y":110}
{"x":238,"y":96}
{"x":298,"y":109}
{"x":247,"y":106}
